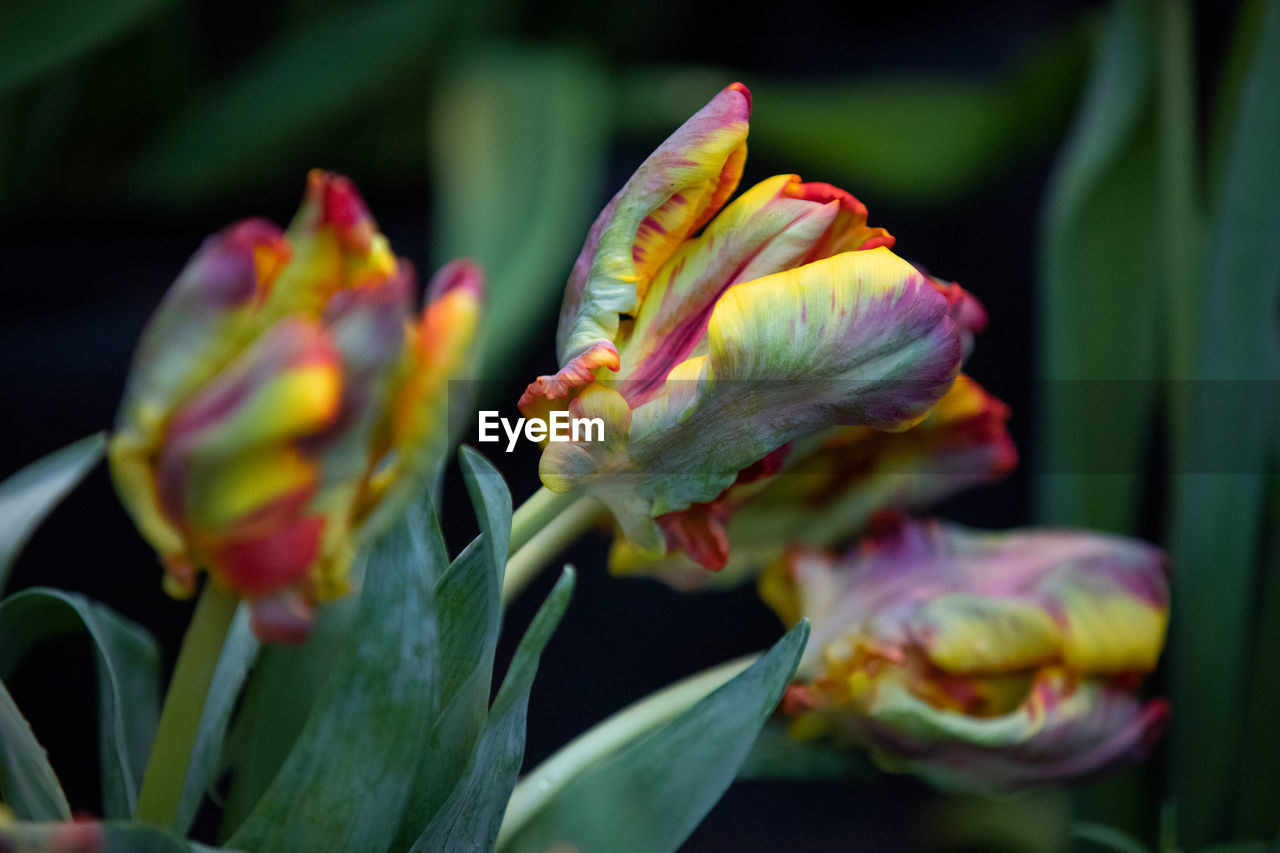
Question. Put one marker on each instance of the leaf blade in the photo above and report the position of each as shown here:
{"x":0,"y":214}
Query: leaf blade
{"x":128,"y":661}
{"x":29,"y":495}
{"x":676,"y":771}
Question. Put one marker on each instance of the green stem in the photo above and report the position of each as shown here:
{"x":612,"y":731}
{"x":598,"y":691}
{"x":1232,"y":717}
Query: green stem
{"x":542,"y":783}
{"x":162,"y":782}
{"x":535,"y":513}
{"x":541,"y":544}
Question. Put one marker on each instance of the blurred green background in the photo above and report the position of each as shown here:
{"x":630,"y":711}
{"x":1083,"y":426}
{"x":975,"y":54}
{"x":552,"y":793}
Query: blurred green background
{"x":1105,"y":178}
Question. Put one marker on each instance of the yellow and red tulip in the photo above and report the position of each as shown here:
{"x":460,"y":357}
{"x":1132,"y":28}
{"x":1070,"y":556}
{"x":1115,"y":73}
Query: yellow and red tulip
{"x":280,"y":392}
{"x":704,"y":354}
{"x":828,"y":488}
{"x":985,"y":661}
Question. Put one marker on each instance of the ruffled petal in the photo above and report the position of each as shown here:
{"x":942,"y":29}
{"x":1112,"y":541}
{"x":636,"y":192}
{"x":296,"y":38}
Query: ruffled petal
{"x":673,"y":193}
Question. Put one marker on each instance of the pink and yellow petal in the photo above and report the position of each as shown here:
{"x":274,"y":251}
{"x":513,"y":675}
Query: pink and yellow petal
{"x":673,"y":193}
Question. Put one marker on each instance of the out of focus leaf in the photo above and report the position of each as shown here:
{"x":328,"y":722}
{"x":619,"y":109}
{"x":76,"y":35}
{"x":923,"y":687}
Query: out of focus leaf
{"x":310,"y":78}
{"x":469,"y":613}
{"x":344,"y":784}
{"x":1220,"y":492}
{"x":237,"y":655}
{"x":517,"y":146}
{"x":27,"y":781}
{"x":1100,"y":277}
{"x":470,"y":818}
{"x":32,"y":493}
{"x":1257,"y":805}
{"x":37,"y":37}
{"x":923,"y":139}
{"x":109,"y":837}
{"x":128,"y":693}
{"x":656,"y":786}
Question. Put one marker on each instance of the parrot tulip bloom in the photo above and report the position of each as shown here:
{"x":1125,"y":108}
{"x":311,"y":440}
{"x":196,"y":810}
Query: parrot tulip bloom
{"x":981,"y":661}
{"x":705,"y":353}
{"x":830,"y":486}
{"x":283,"y":392}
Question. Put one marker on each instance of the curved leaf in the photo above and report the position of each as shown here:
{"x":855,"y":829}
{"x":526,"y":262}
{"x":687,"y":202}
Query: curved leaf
{"x":29,"y":495}
{"x":40,"y":37}
{"x":127,"y":659}
{"x":27,"y":781}
{"x":658,"y":785}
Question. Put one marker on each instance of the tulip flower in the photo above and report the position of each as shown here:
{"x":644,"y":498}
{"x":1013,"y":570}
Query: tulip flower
{"x":831,"y":486}
{"x":705,"y":354}
{"x":981,"y":661}
{"x":283,"y":392}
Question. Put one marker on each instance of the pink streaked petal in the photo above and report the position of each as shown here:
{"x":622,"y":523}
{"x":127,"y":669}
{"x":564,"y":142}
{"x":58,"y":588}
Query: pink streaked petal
{"x":673,"y":193}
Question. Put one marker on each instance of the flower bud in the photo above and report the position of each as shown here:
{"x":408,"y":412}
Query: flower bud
{"x":981,"y":661}
{"x":279,"y":391}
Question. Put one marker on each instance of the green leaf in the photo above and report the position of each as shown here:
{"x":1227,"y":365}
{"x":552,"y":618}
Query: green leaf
{"x":127,"y":660}
{"x":778,"y":755}
{"x":1220,"y":492}
{"x":346,"y":780}
{"x":237,"y":656}
{"x":40,"y":37}
{"x":27,"y":781}
{"x":469,"y":614}
{"x":1100,"y":279}
{"x":648,"y":792}
{"x":470,"y":818}
{"x":32,"y":493}
{"x":1257,"y":804}
{"x":278,"y":698}
{"x":517,"y":150}
{"x":305,"y":82}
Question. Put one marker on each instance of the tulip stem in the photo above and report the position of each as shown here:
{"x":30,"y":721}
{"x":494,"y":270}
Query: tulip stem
{"x":540,"y":544}
{"x":535,"y":514}
{"x":166,"y":772}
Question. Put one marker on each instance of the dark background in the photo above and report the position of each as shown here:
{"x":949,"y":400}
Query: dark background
{"x":87,"y":253}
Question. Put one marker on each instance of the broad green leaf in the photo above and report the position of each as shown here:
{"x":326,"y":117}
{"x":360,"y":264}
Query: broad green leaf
{"x":778,"y":755}
{"x":29,"y":495}
{"x":38,"y":37}
{"x":306,"y":81}
{"x":1257,"y":805}
{"x":1218,"y":521}
{"x":656,"y":786}
{"x":279,"y":695}
{"x":517,"y":154}
{"x":238,"y":652}
{"x":470,"y":818}
{"x":469,"y":614}
{"x":1100,"y":279}
{"x":27,"y":781}
{"x":924,"y":138}
{"x":127,"y":661}
{"x":346,"y":780}
{"x":108,"y":837}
